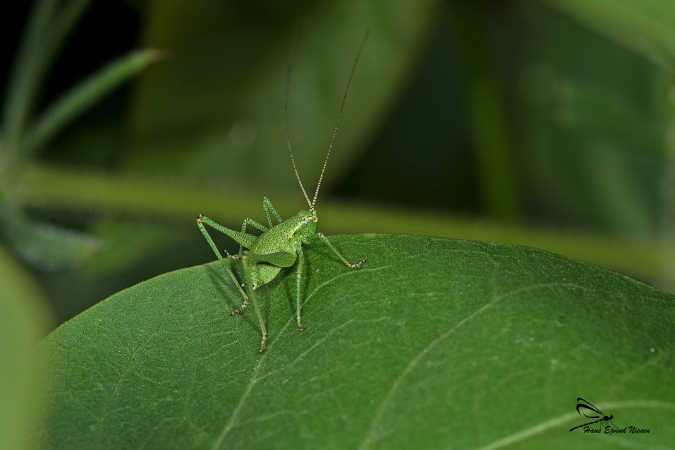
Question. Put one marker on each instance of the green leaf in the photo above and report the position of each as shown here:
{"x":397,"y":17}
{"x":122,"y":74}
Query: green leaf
{"x":84,"y":95}
{"x":647,"y":26}
{"x":215,"y":111}
{"x":594,"y":114}
{"x":432,"y":344}
{"x":23,"y":321}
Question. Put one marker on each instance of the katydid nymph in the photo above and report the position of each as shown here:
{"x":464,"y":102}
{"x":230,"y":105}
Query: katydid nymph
{"x":280,"y":244}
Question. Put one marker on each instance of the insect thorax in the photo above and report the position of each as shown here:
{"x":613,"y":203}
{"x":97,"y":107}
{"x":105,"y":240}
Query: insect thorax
{"x":300,"y":228}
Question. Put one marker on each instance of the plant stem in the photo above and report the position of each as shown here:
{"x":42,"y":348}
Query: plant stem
{"x":49,"y":187}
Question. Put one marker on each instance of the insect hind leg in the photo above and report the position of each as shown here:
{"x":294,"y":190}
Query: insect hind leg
{"x":243,"y":306}
{"x":247,"y":299}
{"x":228,"y":267}
{"x":244,"y":225}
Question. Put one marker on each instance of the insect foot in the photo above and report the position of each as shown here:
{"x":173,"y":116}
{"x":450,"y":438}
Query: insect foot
{"x":263,"y":343}
{"x":241,"y":309}
{"x":300,"y":326}
{"x":231,"y":256}
{"x":358,"y":264}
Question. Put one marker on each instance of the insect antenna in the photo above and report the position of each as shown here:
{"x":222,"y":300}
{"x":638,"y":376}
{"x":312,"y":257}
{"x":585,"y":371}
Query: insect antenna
{"x":288,"y":136}
{"x":339,"y":120}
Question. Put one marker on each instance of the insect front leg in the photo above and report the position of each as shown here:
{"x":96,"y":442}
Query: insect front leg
{"x":339,"y":255}
{"x":251,"y":281}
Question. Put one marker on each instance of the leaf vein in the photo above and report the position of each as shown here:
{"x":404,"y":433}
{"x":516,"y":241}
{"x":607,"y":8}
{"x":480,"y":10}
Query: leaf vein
{"x":254,"y":375}
{"x":416,"y":359}
{"x":556,"y":421}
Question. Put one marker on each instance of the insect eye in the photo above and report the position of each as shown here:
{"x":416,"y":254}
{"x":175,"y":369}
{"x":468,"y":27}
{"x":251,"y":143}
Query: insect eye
{"x":315,"y":219}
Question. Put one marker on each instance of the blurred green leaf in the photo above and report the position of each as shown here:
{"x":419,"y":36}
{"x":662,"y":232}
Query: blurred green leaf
{"x":47,"y":246}
{"x":43,"y":245}
{"x":48,"y":27}
{"x":592,"y":119}
{"x":433,"y":344}
{"x":214,"y":111}
{"x":23,"y":321}
{"x":87,"y":93}
{"x":26,"y":72}
{"x":647,"y":26}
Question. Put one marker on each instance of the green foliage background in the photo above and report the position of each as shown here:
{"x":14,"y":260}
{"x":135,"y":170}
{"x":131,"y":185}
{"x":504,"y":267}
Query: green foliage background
{"x":548,"y":124}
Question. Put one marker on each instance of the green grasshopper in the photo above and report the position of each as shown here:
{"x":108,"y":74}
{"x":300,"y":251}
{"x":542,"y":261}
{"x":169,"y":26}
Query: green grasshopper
{"x":280,"y":245}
